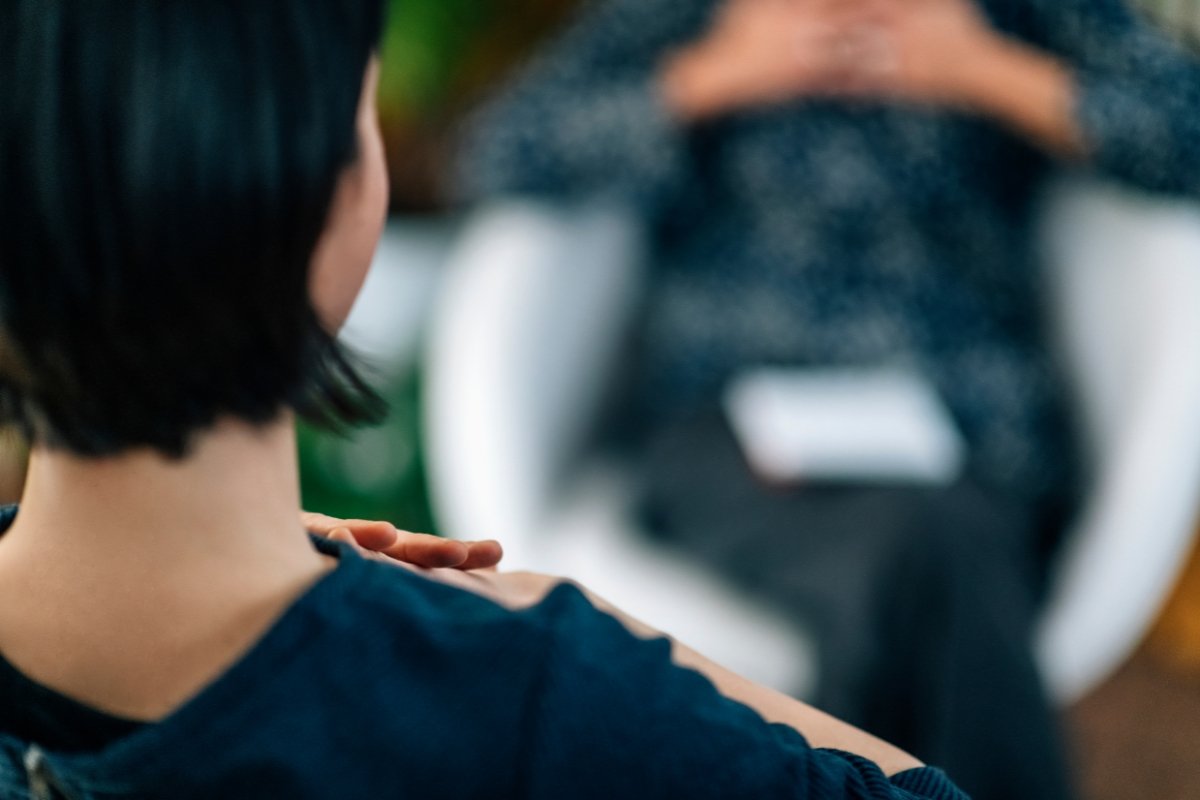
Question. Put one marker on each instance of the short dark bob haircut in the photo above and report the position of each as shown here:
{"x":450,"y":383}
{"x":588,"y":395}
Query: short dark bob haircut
{"x":166,"y":170}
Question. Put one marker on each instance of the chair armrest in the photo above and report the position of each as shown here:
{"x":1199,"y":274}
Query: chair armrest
{"x":530,"y":313}
{"x":1127,"y":271}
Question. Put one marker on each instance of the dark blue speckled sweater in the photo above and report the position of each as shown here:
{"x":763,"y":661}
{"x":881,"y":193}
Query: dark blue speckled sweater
{"x":831,"y":233}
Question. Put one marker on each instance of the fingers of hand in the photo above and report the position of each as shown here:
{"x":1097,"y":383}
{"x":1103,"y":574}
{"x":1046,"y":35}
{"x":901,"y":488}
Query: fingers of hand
{"x":343,"y":535}
{"x":428,"y":551}
{"x":781,"y":50}
{"x":483,"y":555}
{"x":367,"y":533}
{"x":836,"y":47}
{"x":866,"y":57}
{"x":436,"y":553}
{"x":319,"y":524}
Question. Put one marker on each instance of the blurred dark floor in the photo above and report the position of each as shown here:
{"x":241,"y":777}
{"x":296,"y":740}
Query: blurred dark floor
{"x":1138,"y":736}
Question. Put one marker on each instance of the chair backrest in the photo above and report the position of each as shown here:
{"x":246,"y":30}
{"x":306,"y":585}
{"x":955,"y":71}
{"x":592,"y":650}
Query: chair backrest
{"x":536,"y":296}
{"x":1125,"y":275}
{"x":521,"y":349}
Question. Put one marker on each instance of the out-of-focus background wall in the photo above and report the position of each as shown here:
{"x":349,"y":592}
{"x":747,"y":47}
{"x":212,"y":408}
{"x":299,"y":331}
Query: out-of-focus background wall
{"x":1138,"y":736}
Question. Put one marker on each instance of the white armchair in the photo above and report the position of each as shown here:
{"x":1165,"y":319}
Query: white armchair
{"x":523,"y":339}
{"x":1127,"y":275}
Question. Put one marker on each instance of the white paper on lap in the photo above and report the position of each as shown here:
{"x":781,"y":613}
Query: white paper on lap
{"x":882,"y":425}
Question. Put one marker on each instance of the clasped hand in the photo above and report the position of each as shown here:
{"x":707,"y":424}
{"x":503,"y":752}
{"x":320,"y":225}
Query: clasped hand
{"x":761,"y":52}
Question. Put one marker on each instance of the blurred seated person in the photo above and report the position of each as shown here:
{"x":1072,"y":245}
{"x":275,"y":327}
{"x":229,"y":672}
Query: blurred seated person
{"x":190,"y":196}
{"x":852,"y":183}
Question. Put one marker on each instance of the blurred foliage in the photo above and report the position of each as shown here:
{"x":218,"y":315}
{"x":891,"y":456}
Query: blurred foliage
{"x":373,"y":473}
{"x":439,"y":58}
{"x":439,"y":54}
{"x":425,"y":44}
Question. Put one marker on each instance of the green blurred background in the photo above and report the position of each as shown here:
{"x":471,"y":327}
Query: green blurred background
{"x":440,"y":58}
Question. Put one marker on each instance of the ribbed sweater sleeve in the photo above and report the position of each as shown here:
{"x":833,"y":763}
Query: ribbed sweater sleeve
{"x":615,"y":717}
{"x":1137,"y":98}
{"x":928,"y":782}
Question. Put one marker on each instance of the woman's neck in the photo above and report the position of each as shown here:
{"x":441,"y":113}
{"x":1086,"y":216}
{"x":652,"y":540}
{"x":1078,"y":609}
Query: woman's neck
{"x":130,"y":581}
{"x":235,"y":496}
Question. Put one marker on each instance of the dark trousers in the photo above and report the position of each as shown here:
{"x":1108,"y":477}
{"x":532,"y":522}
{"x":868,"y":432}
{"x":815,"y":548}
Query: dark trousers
{"x":922,"y":601}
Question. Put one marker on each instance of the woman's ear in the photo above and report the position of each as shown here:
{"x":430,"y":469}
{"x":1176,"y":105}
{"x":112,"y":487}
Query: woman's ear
{"x":356,"y":217}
